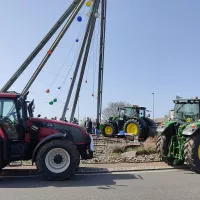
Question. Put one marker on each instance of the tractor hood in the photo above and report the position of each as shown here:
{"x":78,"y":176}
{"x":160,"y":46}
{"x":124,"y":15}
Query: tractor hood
{"x":192,"y":128}
{"x":53,"y":122}
{"x":77,"y":132}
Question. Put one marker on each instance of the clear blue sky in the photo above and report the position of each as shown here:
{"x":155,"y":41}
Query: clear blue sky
{"x":151,"y":46}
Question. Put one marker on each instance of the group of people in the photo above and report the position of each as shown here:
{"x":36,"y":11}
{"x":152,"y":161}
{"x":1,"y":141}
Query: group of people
{"x":90,"y":128}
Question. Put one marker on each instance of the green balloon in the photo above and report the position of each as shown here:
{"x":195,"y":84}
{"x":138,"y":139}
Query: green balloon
{"x":55,"y":100}
{"x":51,"y":102}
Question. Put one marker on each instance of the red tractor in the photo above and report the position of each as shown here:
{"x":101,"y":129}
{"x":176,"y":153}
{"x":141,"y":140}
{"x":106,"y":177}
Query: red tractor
{"x":55,"y":146}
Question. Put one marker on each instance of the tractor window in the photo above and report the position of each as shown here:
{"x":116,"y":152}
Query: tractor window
{"x":142,"y":113}
{"x":130,"y":112}
{"x":185,"y":112}
{"x":8,"y":117}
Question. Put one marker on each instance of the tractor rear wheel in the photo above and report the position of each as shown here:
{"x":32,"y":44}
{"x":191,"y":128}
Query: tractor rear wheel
{"x":57,"y":160}
{"x":132,"y":127}
{"x":192,"y":152}
{"x":109,"y":130}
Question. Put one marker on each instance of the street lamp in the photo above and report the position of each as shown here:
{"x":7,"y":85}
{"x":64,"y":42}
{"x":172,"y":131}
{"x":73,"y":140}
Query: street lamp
{"x":153,"y":105}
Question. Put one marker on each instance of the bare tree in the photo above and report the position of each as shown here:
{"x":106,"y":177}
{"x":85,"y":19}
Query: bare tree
{"x":112,"y":109}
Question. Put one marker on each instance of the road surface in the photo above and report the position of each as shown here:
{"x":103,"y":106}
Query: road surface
{"x":155,"y":185}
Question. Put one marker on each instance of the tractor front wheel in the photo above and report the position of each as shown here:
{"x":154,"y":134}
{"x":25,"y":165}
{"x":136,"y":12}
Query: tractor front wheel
{"x":57,"y":160}
{"x":192,"y":152}
{"x":109,"y":130}
{"x":132,"y":127}
{"x":162,"y":147}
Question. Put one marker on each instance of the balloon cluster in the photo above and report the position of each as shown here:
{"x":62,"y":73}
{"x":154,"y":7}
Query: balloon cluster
{"x":54,"y":101}
{"x":79,"y":19}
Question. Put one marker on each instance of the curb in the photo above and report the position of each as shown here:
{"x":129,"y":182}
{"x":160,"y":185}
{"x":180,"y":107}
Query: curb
{"x":89,"y":170}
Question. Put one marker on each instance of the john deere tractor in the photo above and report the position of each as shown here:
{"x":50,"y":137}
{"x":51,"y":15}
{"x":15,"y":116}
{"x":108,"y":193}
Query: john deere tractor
{"x":132,"y":120}
{"x":179,"y":139}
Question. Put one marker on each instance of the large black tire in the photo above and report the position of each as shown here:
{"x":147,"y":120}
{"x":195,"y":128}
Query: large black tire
{"x":162,"y":146}
{"x":132,"y":127}
{"x":192,"y":152}
{"x":57,"y":152}
{"x":109,"y":130}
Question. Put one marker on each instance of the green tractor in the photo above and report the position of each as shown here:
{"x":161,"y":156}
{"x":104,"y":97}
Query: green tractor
{"x":132,"y":120}
{"x":179,"y":139}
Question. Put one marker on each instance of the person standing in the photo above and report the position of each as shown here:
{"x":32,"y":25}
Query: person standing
{"x":97,"y":126}
{"x":89,"y":132}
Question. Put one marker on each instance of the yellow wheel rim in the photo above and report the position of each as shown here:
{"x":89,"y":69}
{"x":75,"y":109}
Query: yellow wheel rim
{"x":108,"y":130}
{"x":199,"y":152}
{"x":132,"y":129}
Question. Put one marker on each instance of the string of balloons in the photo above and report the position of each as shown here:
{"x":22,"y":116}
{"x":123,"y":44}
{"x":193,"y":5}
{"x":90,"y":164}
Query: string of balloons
{"x":79,"y":19}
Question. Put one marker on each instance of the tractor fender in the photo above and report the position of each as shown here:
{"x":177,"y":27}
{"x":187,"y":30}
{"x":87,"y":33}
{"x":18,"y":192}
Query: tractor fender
{"x":191,"y":129}
{"x":141,"y":122}
{"x":168,"y":128}
{"x":49,"y":138}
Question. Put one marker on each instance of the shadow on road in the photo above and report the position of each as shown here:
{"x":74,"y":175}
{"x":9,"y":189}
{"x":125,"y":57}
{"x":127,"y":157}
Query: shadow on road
{"x":104,"y":181}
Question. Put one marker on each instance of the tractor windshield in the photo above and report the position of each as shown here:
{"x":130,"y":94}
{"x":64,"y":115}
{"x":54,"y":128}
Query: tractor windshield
{"x":187,"y":112}
{"x":130,"y":112}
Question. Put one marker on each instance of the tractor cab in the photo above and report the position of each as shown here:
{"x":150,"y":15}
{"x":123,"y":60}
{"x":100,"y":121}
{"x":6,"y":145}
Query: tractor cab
{"x":187,"y":110}
{"x":132,"y":112}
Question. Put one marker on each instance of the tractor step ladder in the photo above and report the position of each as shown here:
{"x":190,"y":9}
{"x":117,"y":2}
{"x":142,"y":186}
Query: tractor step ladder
{"x":16,"y":163}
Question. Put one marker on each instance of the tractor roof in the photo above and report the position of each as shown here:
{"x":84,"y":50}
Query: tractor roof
{"x":135,"y":107}
{"x":9,"y":95}
{"x":187,"y":101}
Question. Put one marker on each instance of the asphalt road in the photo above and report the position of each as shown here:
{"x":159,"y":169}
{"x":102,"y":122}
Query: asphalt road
{"x":165,"y":185}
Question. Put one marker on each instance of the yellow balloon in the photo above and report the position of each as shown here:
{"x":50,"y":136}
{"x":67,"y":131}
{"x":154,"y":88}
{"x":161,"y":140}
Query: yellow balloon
{"x":88,"y":4}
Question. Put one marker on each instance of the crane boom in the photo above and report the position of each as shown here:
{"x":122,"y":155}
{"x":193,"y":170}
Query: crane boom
{"x":52,"y":48}
{"x":34,"y":53}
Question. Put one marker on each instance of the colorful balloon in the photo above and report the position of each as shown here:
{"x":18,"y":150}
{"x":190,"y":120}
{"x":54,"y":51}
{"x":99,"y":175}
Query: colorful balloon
{"x":48,"y":90}
{"x":88,"y":14}
{"x":79,"y":18}
{"x":51,"y":102}
{"x":76,"y":40}
{"x":96,"y":15}
{"x":88,"y":4}
{"x":55,"y":100}
{"x":59,"y":88}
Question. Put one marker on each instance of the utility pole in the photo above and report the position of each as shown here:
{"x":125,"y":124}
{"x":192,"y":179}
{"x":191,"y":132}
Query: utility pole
{"x":52,"y":48}
{"x":43,"y":42}
{"x":101,"y":59}
{"x":77,"y":65}
{"x":95,"y":10}
{"x":153,"y":105}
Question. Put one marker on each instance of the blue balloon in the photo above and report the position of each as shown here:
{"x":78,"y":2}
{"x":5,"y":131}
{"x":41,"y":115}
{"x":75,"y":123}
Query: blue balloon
{"x":79,"y":18}
{"x":76,"y":40}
